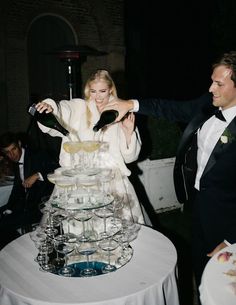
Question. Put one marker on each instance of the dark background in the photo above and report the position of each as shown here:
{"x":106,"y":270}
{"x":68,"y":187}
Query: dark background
{"x":170,"y":46}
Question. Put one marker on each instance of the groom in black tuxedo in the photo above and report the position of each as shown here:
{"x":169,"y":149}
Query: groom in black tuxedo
{"x":213,"y":167}
{"x":30,"y":186}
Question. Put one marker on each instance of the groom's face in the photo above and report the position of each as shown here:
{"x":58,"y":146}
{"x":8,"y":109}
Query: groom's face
{"x":223,"y":88}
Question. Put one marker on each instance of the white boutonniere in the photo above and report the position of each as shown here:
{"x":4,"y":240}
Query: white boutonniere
{"x":227,"y":137}
{"x":224,"y":139}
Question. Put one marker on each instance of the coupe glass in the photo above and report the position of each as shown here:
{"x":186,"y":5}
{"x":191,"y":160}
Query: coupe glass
{"x":72,"y":148}
{"x":58,"y":261}
{"x":66,"y":183}
{"x":89,"y":184}
{"x":108,"y":245}
{"x":71,"y":237}
{"x":65,"y":247}
{"x":104,"y":213}
{"x":83,"y":216}
{"x":38,"y":236}
{"x":45,"y":249}
{"x":128,"y":233}
{"x":131,"y":226}
{"x":115,"y":207}
{"x":87,"y":248}
{"x":48,"y":222}
{"x":89,"y":149}
{"x":58,"y":217}
{"x":47,"y":210}
{"x":52,"y":177}
{"x":123,"y":238}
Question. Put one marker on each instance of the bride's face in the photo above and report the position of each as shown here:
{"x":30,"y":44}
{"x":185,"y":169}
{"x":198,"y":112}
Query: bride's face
{"x":100,"y":93}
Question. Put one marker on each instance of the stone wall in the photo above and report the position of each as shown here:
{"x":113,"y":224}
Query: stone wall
{"x":95,"y":23}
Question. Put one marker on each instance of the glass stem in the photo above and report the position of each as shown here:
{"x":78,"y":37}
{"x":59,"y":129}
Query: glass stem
{"x":60,"y":228}
{"x":66,"y":195}
{"x":105,"y":224}
{"x":87,"y":257}
{"x":66,"y":260}
{"x":109,"y":257}
{"x":83,"y":228}
{"x":68,"y":225}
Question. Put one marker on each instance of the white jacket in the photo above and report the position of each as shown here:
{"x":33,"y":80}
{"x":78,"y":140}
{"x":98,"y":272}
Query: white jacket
{"x":72,"y":115}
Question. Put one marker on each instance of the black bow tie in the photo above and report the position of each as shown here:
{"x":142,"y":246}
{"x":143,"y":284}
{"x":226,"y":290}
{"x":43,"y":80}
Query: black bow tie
{"x":219,"y":115}
{"x":19,"y":163}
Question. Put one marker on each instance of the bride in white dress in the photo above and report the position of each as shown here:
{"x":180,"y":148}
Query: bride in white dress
{"x":79,"y":116}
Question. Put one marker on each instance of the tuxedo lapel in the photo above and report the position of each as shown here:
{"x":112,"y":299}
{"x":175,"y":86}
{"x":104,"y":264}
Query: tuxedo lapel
{"x":232,"y":129}
{"x":17,"y":172}
{"x":190,"y":130}
{"x":27,"y":164}
{"x":220,"y":146}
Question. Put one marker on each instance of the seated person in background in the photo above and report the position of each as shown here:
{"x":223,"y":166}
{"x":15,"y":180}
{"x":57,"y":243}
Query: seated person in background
{"x":6,"y":167}
{"x":30,"y":186}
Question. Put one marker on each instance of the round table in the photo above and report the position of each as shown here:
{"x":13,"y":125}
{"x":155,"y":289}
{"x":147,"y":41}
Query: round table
{"x":216,"y":287}
{"x":149,"y":278}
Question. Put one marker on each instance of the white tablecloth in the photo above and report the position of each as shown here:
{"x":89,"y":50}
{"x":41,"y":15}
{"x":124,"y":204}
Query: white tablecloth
{"x":5,"y":191}
{"x":148,"y":279}
{"x":215,"y":288}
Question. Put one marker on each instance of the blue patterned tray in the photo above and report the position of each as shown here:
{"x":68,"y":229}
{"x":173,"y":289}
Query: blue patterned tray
{"x":83,"y":265}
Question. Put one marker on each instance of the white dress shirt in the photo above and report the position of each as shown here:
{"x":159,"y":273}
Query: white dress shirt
{"x":21,"y":167}
{"x":21,"y":164}
{"x":208,"y":136}
{"x":135,"y":106}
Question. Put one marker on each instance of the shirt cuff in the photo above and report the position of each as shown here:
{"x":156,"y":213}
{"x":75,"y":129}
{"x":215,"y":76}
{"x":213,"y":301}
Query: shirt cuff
{"x":7,"y":212}
{"x":135,"y":106}
{"x":40,"y":176}
{"x":227,"y":243}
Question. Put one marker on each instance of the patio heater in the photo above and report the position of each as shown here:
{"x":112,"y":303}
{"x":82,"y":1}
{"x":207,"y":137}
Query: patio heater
{"x":74,"y":56}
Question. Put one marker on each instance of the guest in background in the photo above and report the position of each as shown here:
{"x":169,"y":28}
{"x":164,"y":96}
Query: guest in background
{"x":214,"y":166}
{"x":6,"y":167}
{"x":79,"y":116}
{"x":30,"y":186}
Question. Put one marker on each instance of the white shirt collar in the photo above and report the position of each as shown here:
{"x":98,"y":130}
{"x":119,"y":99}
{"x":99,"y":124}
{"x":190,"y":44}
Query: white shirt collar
{"x":229,"y":113}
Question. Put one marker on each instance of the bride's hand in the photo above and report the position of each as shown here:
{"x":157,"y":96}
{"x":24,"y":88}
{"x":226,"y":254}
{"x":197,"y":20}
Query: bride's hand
{"x":127,"y":124}
{"x":42,"y":106}
{"x":122,"y":106}
{"x":217,"y":249}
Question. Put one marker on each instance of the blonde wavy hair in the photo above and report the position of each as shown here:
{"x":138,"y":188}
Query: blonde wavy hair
{"x":99,"y":75}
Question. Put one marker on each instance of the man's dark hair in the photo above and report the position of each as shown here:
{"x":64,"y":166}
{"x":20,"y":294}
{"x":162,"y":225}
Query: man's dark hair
{"x":8,"y":138}
{"x":228,"y":60}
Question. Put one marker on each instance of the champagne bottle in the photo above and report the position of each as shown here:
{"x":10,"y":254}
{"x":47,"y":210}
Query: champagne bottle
{"x":107,"y":117}
{"x":47,"y":119}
